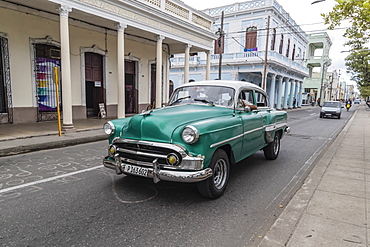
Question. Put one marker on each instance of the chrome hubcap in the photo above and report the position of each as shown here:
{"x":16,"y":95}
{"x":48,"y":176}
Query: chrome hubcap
{"x":220,"y":171}
{"x":276,"y":144}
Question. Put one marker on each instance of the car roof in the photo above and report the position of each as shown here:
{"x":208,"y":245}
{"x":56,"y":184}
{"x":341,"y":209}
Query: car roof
{"x":233,"y":84}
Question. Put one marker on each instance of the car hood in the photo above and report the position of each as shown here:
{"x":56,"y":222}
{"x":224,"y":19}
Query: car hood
{"x":159,"y":124}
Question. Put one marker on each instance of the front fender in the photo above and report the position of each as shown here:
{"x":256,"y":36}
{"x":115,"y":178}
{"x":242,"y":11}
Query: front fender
{"x":223,"y":130}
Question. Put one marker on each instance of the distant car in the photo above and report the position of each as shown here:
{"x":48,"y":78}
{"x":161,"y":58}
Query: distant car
{"x":356,"y":101}
{"x":331,"y":109}
{"x":206,"y":127}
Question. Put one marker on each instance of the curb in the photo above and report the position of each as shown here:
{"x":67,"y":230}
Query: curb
{"x":37,"y":146}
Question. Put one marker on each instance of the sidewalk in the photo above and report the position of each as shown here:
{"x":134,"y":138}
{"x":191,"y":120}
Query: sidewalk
{"x":332,"y":208}
{"x":22,"y":138}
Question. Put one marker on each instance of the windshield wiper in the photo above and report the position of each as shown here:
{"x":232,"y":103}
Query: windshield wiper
{"x":205,"y":101}
{"x":179,"y":99}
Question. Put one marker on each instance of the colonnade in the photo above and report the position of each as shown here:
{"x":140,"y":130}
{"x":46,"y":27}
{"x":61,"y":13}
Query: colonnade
{"x":284,"y":92}
{"x":66,"y":68}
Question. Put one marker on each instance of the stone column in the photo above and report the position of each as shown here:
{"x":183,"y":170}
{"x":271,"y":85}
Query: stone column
{"x":186,"y":67}
{"x":295,"y":94}
{"x":121,"y":69}
{"x":208,"y":66}
{"x":65,"y":59}
{"x":279,"y":93}
{"x":158,"y":76}
{"x":291,"y":94}
{"x":286,"y":89}
{"x":272,"y":90}
{"x":300,"y":94}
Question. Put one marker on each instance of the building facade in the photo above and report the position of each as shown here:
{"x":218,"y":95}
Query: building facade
{"x":258,"y":42}
{"x":93,"y":54}
{"x":318,"y":62}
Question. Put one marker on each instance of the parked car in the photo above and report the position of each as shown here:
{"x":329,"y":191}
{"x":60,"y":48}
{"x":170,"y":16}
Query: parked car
{"x":206,"y":127}
{"x":331,"y":108}
{"x":356,"y":101}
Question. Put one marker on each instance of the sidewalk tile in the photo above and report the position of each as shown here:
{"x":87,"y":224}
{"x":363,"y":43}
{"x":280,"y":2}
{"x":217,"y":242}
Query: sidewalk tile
{"x":342,"y":208}
{"x":340,"y":185}
{"x":315,"y":231}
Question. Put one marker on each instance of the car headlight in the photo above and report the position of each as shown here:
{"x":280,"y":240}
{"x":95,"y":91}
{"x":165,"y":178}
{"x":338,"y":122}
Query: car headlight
{"x":109,"y":128}
{"x":190,"y":134}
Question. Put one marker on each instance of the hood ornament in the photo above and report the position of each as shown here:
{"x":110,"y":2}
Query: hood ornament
{"x":146,"y":113}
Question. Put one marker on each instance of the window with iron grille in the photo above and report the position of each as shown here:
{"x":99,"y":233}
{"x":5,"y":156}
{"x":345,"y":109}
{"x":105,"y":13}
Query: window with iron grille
{"x":281,"y":44}
{"x":251,"y":39}
{"x":47,"y":57}
{"x":273,"y":39}
{"x":287,"y":49}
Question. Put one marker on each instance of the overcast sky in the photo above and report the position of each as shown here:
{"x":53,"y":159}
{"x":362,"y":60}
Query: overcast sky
{"x":308,"y":17}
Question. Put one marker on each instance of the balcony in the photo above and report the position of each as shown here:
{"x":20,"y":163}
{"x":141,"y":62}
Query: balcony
{"x":182,"y":11}
{"x":242,"y":58}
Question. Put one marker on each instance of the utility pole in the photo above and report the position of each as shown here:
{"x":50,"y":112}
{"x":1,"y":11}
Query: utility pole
{"x":322,"y":82}
{"x":220,"y":42}
{"x":266,"y":51}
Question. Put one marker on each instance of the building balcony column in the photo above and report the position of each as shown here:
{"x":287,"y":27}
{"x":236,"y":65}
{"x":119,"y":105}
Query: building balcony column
{"x":299,"y":102}
{"x":121,"y":69}
{"x":295,"y":96}
{"x":186,"y":67}
{"x":272,"y":90}
{"x":279,"y":93}
{"x":208,"y":65}
{"x":65,"y":59}
{"x":286,"y":90}
{"x":291,"y":93}
{"x":158,"y":76}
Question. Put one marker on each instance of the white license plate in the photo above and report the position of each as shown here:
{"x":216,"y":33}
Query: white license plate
{"x":137,"y":170}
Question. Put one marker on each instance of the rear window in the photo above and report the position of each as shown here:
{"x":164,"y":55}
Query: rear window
{"x":332,"y":104}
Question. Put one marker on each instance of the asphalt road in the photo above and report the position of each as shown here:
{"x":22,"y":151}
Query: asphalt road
{"x":64,"y":197}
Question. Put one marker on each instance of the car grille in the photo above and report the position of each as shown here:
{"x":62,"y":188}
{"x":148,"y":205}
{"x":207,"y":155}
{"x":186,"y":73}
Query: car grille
{"x":144,"y":153}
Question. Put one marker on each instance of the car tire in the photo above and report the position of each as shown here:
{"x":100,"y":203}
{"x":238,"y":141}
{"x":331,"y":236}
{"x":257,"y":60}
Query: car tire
{"x":320,"y":115}
{"x":271,"y":151}
{"x":215,"y":186}
{"x":339,"y":116}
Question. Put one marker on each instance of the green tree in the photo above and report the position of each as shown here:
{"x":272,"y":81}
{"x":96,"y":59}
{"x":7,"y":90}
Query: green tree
{"x":357,"y":12}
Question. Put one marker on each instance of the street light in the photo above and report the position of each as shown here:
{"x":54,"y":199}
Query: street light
{"x":317,"y":1}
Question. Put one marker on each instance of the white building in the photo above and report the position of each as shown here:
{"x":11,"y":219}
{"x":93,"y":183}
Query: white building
{"x":318,"y":62}
{"x":114,"y":52}
{"x":249,"y":27}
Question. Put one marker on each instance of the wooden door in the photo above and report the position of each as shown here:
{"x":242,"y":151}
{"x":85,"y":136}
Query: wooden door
{"x":94,"y":83}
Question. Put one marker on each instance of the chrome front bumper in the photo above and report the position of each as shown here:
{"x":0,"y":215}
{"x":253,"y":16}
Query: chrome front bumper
{"x":157,"y":174}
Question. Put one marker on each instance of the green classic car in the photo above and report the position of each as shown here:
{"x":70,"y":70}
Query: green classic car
{"x":206,"y":127}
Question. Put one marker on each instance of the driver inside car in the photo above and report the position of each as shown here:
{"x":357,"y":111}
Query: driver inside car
{"x":245,"y":100}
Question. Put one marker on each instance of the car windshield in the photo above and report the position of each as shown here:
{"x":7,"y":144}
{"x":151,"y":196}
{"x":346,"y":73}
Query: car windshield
{"x":213,"y":95}
{"x":332,"y":104}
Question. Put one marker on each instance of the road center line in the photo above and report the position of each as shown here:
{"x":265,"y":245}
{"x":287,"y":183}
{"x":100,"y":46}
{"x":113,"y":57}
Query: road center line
{"x":48,"y":179}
